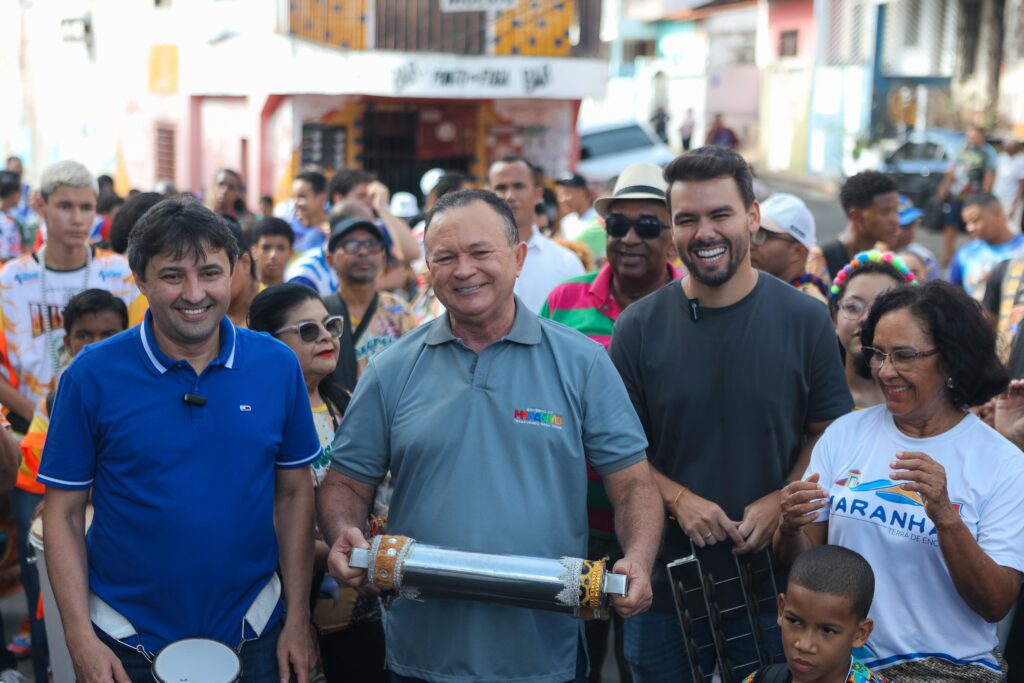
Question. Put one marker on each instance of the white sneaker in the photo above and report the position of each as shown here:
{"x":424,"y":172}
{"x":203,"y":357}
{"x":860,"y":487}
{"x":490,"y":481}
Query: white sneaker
{"x":11,"y":676}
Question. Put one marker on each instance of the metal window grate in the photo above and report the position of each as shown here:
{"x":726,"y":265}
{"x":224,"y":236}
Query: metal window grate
{"x":165,"y":153}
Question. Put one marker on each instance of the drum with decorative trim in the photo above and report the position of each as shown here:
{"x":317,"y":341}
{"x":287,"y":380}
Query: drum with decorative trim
{"x":413,"y":570}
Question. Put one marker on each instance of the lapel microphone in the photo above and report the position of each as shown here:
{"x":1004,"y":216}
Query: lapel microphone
{"x":194,"y":400}
{"x":694,"y":305}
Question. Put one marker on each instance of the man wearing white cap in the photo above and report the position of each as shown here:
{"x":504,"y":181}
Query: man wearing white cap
{"x":781,"y":245}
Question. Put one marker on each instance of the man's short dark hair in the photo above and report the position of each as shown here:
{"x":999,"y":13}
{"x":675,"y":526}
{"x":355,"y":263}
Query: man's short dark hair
{"x":860,"y":190}
{"x":345,"y":180}
{"x":316,"y":181}
{"x":463,"y":198}
{"x":133,"y":209}
{"x":983,"y":200}
{"x":178,"y":226}
{"x":839,"y":571}
{"x":535,"y":174}
{"x":9,"y":183}
{"x":92,"y":301}
{"x":272,"y":227}
{"x":964,"y":338}
{"x":108,"y":201}
{"x":452,"y":181}
{"x":708,"y":163}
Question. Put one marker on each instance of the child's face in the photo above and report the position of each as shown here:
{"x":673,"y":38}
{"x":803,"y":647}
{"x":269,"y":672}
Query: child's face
{"x":91,"y":328}
{"x":819,"y":631}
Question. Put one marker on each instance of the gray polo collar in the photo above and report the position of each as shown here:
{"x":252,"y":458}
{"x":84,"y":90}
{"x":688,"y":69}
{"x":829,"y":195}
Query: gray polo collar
{"x":525,"y":328}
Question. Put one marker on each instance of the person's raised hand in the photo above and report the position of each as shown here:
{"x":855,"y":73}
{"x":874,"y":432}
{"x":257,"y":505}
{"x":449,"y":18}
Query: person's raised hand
{"x":639,"y":595}
{"x":1009,"y":412}
{"x":760,"y":519}
{"x":338,"y":560}
{"x":703,"y":521}
{"x":923,"y":475}
{"x":800,"y":503}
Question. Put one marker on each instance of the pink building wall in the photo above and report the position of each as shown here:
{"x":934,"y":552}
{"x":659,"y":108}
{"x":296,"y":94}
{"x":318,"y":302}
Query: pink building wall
{"x":790,"y":15}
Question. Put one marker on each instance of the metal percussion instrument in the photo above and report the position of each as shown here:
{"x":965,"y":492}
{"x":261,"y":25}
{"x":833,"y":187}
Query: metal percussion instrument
{"x":704,"y":603}
{"x":197,"y":660}
{"x":417,"y":571}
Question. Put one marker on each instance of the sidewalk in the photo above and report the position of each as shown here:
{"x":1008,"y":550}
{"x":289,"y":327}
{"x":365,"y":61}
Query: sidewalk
{"x":825,"y":186}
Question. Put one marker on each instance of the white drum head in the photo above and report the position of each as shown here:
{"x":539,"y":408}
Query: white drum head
{"x":196,"y":660}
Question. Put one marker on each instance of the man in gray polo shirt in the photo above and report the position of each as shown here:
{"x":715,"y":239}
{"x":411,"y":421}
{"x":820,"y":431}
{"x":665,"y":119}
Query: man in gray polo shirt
{"x":486,"y":418}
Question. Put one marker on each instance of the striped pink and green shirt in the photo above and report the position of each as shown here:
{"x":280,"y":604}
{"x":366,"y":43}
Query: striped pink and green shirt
{"x":586,"y":304}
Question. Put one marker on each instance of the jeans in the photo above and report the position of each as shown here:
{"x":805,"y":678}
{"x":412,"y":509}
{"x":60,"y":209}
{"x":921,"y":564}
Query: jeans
{"x":259,"y":658}
{"x":23,"y":504}
{"x":581,"y":671}
{"x":656,"y":651}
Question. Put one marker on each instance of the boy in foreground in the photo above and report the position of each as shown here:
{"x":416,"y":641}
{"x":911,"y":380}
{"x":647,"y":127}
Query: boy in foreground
{"x":824,"y":617}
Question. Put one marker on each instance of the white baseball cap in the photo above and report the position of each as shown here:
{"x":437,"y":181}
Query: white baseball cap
{"x":404,"y":205}
{"x":787,"y":214}
{"x":429,"y":180}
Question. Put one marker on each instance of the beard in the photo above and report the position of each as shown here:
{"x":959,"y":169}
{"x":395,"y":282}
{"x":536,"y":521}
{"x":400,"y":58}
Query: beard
{"x":715,"y":278}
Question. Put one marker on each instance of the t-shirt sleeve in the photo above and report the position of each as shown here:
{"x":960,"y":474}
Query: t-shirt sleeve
{"x":299,"y":445}
{"x":70,"y":448}
{"x":1001,"y":522}
{"x":956,"y":271}
{"x":613,"y":438}
{"x":829,"y":395}
{"x":822,"y":462}
{"x":994,"y":288}
{"x":361,"y":447}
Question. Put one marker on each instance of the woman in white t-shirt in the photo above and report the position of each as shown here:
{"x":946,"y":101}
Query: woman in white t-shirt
{"x":931,"y":496}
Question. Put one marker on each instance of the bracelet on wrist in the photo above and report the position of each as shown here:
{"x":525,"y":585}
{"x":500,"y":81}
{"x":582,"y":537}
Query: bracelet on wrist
{"x":675,"y":501}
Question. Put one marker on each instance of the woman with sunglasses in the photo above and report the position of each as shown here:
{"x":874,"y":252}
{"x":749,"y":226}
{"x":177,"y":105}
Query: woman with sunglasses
{"x":854,"y":289}
{"x":348,"y":626}
{"x":930,"y":495}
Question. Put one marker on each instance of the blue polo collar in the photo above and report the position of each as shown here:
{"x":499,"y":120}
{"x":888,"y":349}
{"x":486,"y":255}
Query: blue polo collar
{"x":159,"y":362}
{"x":525,"y":328}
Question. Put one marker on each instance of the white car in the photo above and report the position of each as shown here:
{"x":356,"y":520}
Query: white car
{"x":608,"y":148}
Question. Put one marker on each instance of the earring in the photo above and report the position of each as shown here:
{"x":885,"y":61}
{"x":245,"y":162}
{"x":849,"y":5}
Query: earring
{"x":949,"y":382}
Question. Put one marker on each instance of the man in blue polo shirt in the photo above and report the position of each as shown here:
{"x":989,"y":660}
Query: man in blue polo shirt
{"x":194,"y":438}
{"x":487,"y":417}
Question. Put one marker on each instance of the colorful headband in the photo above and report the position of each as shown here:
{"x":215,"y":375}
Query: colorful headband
{"x":872,"y":256}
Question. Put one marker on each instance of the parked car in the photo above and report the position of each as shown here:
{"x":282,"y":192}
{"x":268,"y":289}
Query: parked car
{"x":608,"y":148}
{"x":919,"y":165}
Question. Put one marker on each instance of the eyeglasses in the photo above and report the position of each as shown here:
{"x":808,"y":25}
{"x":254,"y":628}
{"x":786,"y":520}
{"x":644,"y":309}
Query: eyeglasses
{"x":853,"y":309}
{"x":646,"y":227}
{"x":309,"y":330}
{"x":353,"y":246}
{"x":902,"y":359}
{"x":763,"y":235}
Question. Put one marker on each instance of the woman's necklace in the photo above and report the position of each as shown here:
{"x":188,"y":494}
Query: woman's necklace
{"x":51,"y":344}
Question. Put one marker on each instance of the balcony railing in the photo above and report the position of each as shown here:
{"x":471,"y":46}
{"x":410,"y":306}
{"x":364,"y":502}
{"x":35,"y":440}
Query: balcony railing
{"x":547,"y":28}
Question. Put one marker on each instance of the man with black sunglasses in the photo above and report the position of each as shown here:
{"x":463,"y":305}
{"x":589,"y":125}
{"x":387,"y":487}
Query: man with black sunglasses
{"x":356,"y":251}
{"x":639,"y":249}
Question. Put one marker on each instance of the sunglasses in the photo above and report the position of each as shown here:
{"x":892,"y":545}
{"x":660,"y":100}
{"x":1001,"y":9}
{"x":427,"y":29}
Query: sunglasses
{"x":353,"y":246}
{"x":763,"y":235}
{"x":646,"y":227}
{"x":309,"y":330}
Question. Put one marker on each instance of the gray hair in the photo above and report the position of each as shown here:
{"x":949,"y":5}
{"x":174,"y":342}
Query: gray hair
{"x":66,"y":173}
{"x":463,"y":198}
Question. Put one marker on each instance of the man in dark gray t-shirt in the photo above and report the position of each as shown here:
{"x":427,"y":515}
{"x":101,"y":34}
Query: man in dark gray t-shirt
{"x":734,"y":375}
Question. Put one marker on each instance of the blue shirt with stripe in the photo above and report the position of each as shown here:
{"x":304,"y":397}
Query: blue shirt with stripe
{"x":183,"y":538}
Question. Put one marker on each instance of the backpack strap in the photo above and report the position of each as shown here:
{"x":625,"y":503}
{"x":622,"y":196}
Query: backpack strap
{"x":345,"y":373}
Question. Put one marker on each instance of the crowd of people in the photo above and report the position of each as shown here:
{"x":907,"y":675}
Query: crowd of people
{"x":210,"y":409}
